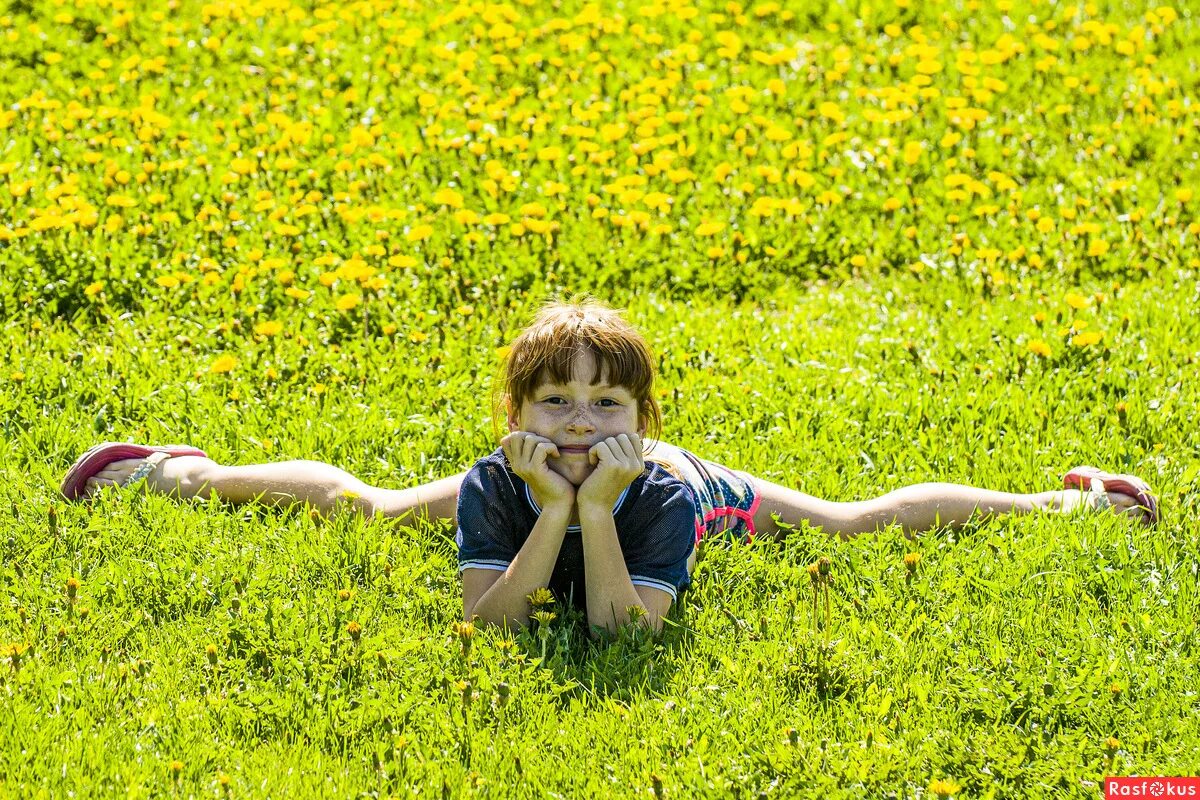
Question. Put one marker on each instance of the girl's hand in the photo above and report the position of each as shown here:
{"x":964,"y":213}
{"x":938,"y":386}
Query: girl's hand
{"x":527,"y":454}
{"x":618,"y":461}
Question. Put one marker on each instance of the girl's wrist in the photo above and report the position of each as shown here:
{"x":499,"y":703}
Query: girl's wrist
{"x":589,"y":504}
{"x":559,"y":506}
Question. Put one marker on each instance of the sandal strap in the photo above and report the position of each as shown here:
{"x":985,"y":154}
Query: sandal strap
{"x":145,"y":468}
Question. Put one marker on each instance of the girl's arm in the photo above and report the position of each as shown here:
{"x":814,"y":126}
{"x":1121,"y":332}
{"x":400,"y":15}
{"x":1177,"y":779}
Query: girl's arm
{"x":610,"y":593}
{"x":500,"y":598}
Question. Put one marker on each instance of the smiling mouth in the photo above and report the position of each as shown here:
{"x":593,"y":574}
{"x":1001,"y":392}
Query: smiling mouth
{"x":574,"y":448}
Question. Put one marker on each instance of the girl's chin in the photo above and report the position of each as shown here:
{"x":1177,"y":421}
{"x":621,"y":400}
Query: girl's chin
{"x":576,"y":474}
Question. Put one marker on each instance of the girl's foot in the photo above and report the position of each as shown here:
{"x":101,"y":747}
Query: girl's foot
{"x":1099,"y":482}
{"x":1096,"y":497}
{"x":163,"y":474}
{"x":121,"y":464}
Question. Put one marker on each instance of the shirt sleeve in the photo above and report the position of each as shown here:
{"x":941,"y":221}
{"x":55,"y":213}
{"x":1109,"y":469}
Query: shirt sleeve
{"x":658,"y":557}
{"x":485,"y":537}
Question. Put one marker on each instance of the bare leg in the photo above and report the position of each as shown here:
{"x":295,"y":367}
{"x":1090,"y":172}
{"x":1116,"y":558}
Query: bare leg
{"x":916,"y":508}
{"x":326,"y":488}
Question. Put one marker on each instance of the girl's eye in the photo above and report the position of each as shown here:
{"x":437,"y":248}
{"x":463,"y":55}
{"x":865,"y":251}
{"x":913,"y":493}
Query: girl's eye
{"x":608,"y":402}
{"x":554,"y":400}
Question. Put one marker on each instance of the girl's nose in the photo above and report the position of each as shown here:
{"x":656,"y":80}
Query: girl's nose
{"x":580,"y":424}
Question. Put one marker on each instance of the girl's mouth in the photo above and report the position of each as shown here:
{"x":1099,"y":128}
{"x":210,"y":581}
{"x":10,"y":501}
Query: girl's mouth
{"x":574,"y":448}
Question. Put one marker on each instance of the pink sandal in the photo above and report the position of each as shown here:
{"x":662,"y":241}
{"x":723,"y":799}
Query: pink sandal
{"x":1082,"y":477}
{"x":97,"y":458}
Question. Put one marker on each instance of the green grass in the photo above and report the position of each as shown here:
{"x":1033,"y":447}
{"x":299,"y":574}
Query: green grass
{"x":826,"y":349}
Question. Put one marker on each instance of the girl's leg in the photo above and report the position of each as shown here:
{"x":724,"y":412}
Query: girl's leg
{"x":324,"y":487}
{"x":916,"y":508}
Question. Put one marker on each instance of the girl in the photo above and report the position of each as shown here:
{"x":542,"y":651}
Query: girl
{"x":569,"y":502}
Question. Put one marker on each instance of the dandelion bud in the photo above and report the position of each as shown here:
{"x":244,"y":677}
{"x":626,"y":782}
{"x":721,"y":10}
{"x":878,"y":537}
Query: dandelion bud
{"x":223,"y":781}
{"x":211,"y":652}
{"x":355,"y":630}
{"x":814,"y":574}
{"x":465,"y":631}
{"x":22,"y":614}
{"x":1115,"y":689}
{"x":793,"y":736}
{"x":237,"y":587}
{"x":823,"y":566}
{"x":656,"y":785}
{"x":176,"y":769}
{"x":344,"y":595}
{"x":72,"y":589}
{"x":83,"y":614}
{"x":381,"y":660}
{"x":52,"y":517}
{"x":62,"y":633}
{"x":1111,"y":745}
{"x":911,"y":560}
{"x":502,"y":694}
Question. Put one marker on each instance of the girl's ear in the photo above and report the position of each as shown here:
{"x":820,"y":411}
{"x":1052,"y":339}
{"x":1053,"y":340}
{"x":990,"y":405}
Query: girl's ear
{"x":514,"y":423}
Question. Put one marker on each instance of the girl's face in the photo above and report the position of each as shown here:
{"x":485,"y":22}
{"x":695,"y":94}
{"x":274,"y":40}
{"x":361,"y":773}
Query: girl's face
{"x":576,"y":416}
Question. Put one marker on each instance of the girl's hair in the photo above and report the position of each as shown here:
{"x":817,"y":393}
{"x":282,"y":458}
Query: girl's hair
{"x":546,"y":350}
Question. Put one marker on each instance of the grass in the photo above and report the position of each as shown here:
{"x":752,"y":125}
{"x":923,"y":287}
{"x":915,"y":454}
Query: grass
{"x":841,"y":344}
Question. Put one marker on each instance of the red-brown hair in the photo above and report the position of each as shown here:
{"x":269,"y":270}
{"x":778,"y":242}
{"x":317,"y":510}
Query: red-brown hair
{"x":546,"y":350}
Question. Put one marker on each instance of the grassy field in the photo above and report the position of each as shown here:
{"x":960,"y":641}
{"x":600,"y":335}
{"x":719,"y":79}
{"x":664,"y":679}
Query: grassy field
{"x":872,"y":243}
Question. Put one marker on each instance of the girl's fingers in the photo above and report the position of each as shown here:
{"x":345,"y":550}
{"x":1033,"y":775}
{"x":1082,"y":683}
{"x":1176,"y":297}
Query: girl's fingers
{"x":544,"y":450}
{"x":601,"y":452}
{"x":632,"y":447}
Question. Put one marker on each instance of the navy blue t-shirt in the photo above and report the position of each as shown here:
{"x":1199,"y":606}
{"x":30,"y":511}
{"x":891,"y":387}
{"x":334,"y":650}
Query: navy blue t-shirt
{"x":655,"y":519}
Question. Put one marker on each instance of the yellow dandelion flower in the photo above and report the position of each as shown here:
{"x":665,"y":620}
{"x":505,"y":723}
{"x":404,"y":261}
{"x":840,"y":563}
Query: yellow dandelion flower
{"x":297,"y":294}
{"x":448,"y":197}
{"x":270,"y":328}
{"x":1184,"y":195}
{"x":944,"y":788}
{"x":709,"y":228}
{"x":1086,"y":339}
{"x":419,"y":233}
{"x":1039,"y":348}
{"x":497,"y":219}
{"x":167,"y":281}
{"x":1098,"y":247}
{"x":1077,"y":301}
{"x":831,"y":111}
{"x":348,"y":302}
{"x":225,"y":363}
